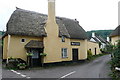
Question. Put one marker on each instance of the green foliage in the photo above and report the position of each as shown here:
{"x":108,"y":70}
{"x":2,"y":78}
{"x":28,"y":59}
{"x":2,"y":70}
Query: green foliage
{"x":15,"y":63}
{"x":21,"y":64}
{"x":89,"y":54}
{"x":103,"y":33}
{"x":109,"y":48}
{"x":115,"y":61}
{"x":43,"y":54}
{"x":29,"y":54}
{"x":12,"y":63}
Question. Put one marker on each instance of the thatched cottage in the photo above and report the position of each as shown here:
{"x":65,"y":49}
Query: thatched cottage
{"x":62,"y":39}
{"x":100,"y":40}
{"x":115,"y":35}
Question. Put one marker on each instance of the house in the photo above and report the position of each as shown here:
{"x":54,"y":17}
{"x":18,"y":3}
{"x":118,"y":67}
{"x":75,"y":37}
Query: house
{"x":62,"y":39}
{"x":115,"y":35}
{"x":102,"y":42}
{"x":93,"y":47}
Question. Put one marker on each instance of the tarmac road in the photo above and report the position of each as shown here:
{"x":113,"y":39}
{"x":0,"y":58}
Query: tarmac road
{"x":97,"y":68}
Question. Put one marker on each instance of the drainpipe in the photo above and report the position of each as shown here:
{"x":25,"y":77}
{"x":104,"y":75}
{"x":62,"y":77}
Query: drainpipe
{"x":9,"y":36}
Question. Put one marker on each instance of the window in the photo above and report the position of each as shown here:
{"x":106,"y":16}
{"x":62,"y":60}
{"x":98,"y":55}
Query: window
{"x":22,"y":40}
{"x":63,"y":39}
{"x":64,"y":53}
{"x":90,"y":49}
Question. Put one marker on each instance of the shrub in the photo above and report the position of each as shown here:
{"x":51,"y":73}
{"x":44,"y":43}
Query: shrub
{"x":14,"y":62}
{"x":115,"y":61}
{"x":89,"y":54}
{"x":21,"y":65}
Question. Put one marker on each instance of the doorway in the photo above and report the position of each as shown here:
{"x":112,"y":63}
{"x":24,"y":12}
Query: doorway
{"x":75,"y":54}
{"x":95,"y":51}
{"x":36,"y":58}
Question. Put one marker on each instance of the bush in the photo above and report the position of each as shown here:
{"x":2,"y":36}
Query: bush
{"x":115,"y":61}
{"x":89,"y":54}
{"x":14,"y":62}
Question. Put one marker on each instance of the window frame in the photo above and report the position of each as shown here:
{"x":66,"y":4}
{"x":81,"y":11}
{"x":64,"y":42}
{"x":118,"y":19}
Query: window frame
{"x":64,"y":52}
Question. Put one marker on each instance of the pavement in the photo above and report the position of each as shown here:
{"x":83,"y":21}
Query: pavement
{"x":97,"y":68}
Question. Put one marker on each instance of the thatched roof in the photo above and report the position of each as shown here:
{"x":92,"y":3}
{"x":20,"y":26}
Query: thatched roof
{"x":34,"y":44}
{"x":29,"y":23}
{"x":116,"y":32}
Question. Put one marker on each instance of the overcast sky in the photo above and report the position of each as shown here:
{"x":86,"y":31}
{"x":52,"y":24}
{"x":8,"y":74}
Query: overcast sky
{"x":91,"y":14}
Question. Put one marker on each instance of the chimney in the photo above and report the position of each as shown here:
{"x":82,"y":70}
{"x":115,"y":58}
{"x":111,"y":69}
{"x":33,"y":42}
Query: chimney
{"x":108,"y":39}
{"x":93,"y":34}
{"x":51,"y":11}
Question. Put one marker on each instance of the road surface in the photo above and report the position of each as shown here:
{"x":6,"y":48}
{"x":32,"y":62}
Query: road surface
{"x":97,"y":68}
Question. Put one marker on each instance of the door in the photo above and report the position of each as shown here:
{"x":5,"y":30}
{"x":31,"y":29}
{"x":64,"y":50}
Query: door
{"x":75,"y":54}
{"x":36,"y":59}
{"x":95,"y":51}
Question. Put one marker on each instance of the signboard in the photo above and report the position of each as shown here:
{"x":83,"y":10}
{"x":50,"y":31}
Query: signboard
{"x":75,"y":43}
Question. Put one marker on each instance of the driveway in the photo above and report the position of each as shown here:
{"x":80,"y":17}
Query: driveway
{"x":97,"y":68}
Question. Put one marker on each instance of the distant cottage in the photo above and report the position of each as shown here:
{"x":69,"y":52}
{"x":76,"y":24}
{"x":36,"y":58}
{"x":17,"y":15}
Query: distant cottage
{"x":62,"y":39}
{"x":115,"y":35}
{"x":102,"y":42}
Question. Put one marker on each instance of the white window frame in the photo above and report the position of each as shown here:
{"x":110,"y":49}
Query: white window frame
{"x":22,"y":39}
{"x":64,"y":53}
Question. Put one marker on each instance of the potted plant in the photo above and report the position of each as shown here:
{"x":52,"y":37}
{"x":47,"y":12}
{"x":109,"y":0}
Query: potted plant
{"x":21,"y":65}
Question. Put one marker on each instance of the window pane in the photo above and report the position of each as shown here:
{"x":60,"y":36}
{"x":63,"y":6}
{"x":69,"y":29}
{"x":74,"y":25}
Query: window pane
{"x":64,"y":52}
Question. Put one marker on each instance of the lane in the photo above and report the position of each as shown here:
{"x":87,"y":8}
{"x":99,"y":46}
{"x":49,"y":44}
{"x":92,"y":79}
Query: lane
{"x":95,"y":69}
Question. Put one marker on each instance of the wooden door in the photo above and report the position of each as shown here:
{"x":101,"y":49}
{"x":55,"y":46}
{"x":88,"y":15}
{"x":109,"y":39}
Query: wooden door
{"x":75,"y":54}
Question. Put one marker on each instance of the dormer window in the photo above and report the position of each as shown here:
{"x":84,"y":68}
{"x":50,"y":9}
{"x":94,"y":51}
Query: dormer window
{"x":63,"y":39}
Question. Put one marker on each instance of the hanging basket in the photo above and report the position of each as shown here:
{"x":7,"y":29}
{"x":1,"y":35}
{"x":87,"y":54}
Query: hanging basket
{"x":43,"y":54}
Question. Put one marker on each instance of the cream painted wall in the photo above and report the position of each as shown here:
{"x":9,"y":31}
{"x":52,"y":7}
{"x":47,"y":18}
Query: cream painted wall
{"x":92,"y":46}
{"x":82,"y":48}
{"x":16,"y":49}
{"x":114,"y":39}
{"x":52,"y":43}
{"x":5,"y":47}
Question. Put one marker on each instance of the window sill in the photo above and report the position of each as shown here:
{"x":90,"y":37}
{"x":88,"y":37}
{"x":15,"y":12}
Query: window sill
{"x":64,"y":57}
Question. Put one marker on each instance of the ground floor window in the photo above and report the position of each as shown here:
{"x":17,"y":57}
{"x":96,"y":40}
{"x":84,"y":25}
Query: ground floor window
{"x":64,"y":53}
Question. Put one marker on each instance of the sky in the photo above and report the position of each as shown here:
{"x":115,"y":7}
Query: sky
{"x":91,"y":14}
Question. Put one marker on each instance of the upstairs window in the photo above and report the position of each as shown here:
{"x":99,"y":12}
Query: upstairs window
{"x":22,"y":40}
{"x":63,"y":39}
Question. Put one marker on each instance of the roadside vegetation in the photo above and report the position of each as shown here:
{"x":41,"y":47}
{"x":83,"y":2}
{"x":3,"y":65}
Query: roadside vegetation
{"x":91,"y":57}
{"x":115,"y":59}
